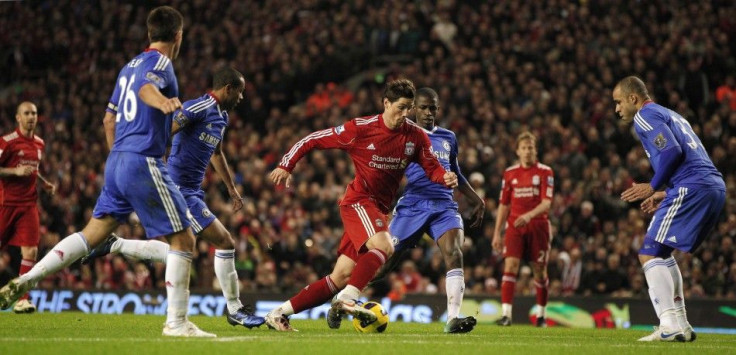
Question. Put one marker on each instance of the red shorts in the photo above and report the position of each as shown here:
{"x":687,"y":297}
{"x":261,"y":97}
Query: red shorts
{"x":361,"y":221}
{"x":530,"y":242}
{"x":19,"y":226}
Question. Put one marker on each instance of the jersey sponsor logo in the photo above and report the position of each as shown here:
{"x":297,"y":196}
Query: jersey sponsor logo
{"x":535,"y":180}
{"x":521,"y":192}
{"x":409,"y":148}
{"x":660,"y":141}
{"x":209,"y":139}
{"x":390,"y":163}
{"x":440,"y":155}
{"x":371,"y":147}
{"x":339,"y":129}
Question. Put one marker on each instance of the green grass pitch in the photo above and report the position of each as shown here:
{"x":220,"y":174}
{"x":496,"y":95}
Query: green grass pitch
{"x":77,"y":333}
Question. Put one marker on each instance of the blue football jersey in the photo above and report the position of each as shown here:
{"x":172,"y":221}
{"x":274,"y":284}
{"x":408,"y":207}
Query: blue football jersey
{"x":140,"y":128}
{"x":419,"y":187}
{"x":660,"y":128}
{"x":203,"y":126}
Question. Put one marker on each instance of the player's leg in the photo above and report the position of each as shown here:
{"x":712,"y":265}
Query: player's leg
{"x":366,"y":227}
{"x":450,"y":244}
{"x":163,"y":211}
{"x":512,"y":250}
{"x":540,"y":239}
{"x":26,"y":234}
{"x":315,"y":294}
{"x":63,"y":254}
{"x":217,"y":234}
{"x":655,"y":258}
{"x":151,"y":250}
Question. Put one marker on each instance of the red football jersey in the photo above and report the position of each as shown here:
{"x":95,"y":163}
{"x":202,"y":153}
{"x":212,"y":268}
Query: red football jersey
{"x":17,"y":150}
{"x":525,"y":188}
{"x":380,"y":156}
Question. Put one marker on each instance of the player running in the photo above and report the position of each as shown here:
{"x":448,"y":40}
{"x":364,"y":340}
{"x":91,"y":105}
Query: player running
{"x":426,"y":207}
{"x":137,"y":127}
{"x":20,"y":157}
{"x":686,"y":195}
{"x":201,"y":127}
{"x":526,"y":197}
{"x":381,"y":147}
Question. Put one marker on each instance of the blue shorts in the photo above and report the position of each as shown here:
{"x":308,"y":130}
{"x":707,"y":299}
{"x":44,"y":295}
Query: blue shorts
{"x":134,"y":182}
{"x":683,"y":221}
{"x":202,"y":217}
{"x":411,"y":221}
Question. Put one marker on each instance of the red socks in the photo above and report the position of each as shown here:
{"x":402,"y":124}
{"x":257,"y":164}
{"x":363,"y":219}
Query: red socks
{"x":313,"y":295}
{"x":366,"y":268}
{"x":508,"y":286}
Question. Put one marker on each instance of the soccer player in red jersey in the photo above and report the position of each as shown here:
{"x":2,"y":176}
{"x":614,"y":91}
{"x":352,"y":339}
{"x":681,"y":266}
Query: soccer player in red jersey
{"x":20,"y":155}
{"x":381,"y":147}
{"x":526,"y":196}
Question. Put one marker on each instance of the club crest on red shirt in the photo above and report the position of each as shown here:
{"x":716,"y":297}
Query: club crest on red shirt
{"x":409,"y":149}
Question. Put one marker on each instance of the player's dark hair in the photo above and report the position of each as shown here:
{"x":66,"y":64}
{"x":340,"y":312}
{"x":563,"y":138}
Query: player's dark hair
{"x":227,"y":76}
{"x":428,"y":93}
{"x":526,"y":135}
{"x":633,"y":85}
{"x":399,"y":88}
{"x":163,"y":23}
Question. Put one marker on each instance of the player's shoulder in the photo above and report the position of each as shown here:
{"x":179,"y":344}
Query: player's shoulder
{"x":544,"y":167}
{"x":200,"y":104}
{"x":365,"y":120}
{"x":650,"y":115}
{"x":11,"y":136}
{"x":155,"y":60}
{"x":513,"y":168}
{"x":38,"y":140}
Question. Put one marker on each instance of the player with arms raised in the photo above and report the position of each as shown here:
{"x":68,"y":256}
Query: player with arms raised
{"x":381,"y":147}
{"x":138,"y":128}
{"x":20,"y":156}
{"x":686,"y":195}
{"x":526,"y":197}
{"x":199,"y":128}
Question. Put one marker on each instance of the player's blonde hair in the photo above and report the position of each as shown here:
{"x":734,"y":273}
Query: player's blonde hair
{"x":526,"y":135}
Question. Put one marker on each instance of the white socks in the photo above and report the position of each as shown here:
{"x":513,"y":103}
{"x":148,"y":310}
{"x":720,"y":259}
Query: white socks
{"x":455,"y":288}
{"x":350,"y":292}
{"x":153,"y":250}
{"x":228,"y":278}
{"x":177,"y":287}
{"x":679,"y":296}
{"x":661,"y":291}
{"x":506,"y":309}
{"x":64,"y":253}
{"x":285,"y":308}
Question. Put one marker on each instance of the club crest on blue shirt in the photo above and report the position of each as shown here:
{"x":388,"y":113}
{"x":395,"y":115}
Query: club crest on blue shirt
{"x":660,"y":141}
{"x":446,"y":145}
{"x":409,"y":149}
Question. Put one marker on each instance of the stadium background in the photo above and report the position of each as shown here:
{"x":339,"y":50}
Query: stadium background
{"x":499,"y":67}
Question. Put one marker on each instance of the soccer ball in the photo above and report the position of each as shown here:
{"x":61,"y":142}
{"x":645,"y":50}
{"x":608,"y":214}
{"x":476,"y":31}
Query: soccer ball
{"x":379,"y":325}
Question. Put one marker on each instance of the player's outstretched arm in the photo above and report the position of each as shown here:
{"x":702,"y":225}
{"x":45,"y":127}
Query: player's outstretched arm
{"x":21,"y":170}
{"x":47,"y":185}
{"x":151,"y":96}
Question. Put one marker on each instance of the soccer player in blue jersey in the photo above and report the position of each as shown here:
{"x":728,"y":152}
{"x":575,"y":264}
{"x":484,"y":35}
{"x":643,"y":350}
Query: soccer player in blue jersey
{"x":137,"y":127}
{"x":686,"y":195}
{"x":426,"y":207}
{"x":198,"y":129}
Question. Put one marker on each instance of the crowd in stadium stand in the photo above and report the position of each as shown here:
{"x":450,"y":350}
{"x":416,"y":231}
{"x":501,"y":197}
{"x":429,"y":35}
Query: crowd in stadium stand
{"x":499,"y":68}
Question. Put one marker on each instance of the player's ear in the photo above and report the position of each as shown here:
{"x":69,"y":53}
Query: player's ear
{"x":386,"y":103}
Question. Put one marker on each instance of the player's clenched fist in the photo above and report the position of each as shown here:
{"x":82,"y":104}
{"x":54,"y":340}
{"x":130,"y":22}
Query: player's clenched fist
{"x":279,"y":176}
{"x":450,"y":179}
{"x":170,"y":105}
